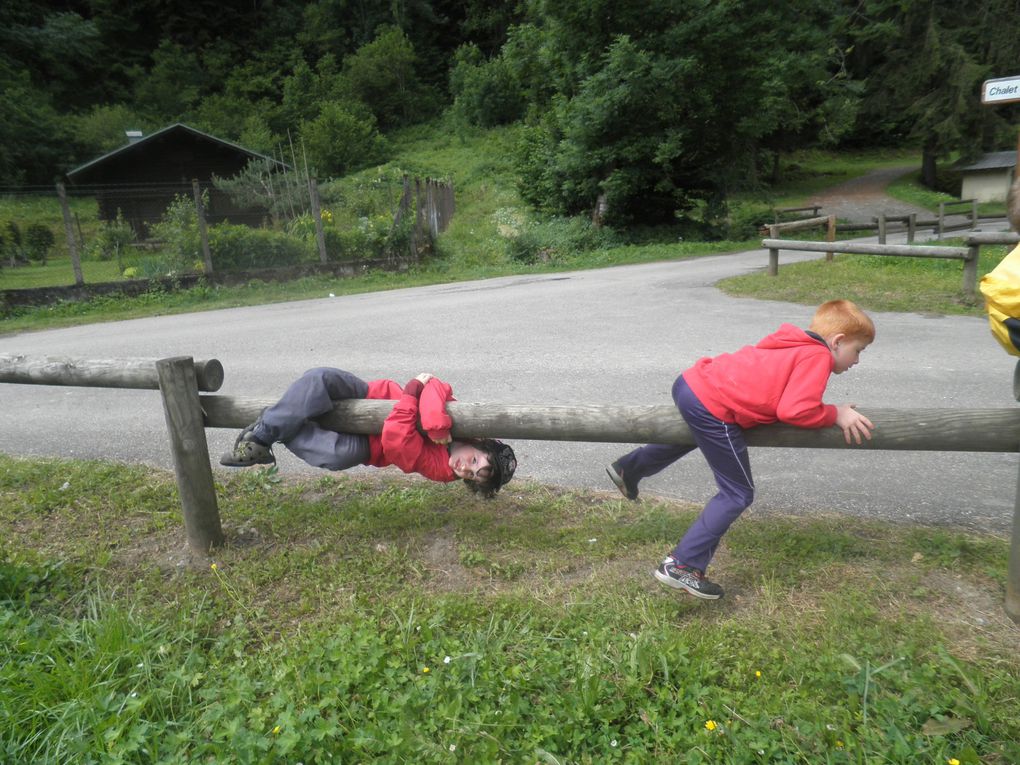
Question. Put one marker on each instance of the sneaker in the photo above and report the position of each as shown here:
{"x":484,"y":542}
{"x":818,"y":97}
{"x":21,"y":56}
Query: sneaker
{"x":627,"y":487}
{"x":688,"y":578}
{"x":248,"y":451}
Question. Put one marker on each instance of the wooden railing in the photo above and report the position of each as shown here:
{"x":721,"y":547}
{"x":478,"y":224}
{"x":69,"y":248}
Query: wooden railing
{"x":182,"y":381}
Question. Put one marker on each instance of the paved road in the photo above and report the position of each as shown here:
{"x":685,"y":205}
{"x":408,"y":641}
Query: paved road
{"x":617,"y":335}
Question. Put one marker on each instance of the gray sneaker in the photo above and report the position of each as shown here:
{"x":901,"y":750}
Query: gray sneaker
{"x":248,"y":451}
{"x":688,"y":578}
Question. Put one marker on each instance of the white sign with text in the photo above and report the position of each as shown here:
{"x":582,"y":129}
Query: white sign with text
{"x":1001,"y":91}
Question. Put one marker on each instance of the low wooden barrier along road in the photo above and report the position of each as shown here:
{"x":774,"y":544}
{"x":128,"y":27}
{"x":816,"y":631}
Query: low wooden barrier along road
{"x":974,"y":241}
{"x":969,"y":255}
{"x":183,"y":381}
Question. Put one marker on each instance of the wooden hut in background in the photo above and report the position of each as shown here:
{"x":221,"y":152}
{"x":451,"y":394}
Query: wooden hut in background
{"x":142,"y":178}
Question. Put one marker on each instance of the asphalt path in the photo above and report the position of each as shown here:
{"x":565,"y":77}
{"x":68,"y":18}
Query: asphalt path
{"x":608,"y":336}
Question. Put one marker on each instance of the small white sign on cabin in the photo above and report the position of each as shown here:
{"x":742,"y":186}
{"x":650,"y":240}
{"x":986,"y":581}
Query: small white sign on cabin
{"x":1002,"y":90}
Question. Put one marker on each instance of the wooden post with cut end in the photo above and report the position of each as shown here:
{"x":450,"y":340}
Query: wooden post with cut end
{"x":186,"y":425}
{"x":1013,"y":575}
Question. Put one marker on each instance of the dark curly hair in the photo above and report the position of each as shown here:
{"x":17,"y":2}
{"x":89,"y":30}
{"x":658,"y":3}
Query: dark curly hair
{"x":502,"y":462}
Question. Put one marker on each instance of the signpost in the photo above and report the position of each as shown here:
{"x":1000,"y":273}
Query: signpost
{"x":1003,"y":90}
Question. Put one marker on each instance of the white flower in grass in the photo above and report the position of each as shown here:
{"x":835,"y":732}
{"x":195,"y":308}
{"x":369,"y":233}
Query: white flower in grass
{"x":446,"y":660}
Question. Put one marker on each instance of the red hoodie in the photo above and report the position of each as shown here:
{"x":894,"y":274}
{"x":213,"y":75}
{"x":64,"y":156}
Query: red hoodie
{"x":400,"y":442}
{"x":782,"y":378}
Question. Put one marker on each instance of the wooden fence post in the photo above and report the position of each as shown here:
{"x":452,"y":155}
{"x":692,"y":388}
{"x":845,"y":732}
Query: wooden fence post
{"x":881,"y":228}
{"x":202,"y":231}
{"x":1013,"y":576}
{"x":72,"y":245}
{"x":973,"y":213}
{"x":186,"y":426}
{"x":320,"y":235}
{"x":970,"y":266}
{"x":830,"y":235}
{"x":773,"y":261}
{"x":942,"y":219}
{"x":911,"y":227}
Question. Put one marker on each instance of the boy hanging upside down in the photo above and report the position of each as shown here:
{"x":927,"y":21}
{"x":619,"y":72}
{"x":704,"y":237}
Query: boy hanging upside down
{"x":485,"y":465}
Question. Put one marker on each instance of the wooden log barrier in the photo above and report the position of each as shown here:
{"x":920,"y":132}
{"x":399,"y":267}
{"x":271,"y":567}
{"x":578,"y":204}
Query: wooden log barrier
{"x":961,"y":430}
{"x":99,"y":373}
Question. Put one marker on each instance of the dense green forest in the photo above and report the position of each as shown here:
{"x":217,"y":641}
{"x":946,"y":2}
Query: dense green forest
{"x":638,"y":108}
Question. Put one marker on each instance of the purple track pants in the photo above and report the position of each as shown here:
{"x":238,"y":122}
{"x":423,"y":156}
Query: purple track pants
{"x":725,"y":451}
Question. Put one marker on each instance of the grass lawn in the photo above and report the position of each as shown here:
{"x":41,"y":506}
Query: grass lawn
{"x":378,"y":618}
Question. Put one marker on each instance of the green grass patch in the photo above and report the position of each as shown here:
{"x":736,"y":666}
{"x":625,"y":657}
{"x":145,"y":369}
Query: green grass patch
{"x":374,"y":617}
{"x":875,"y":282}
{"x":909,"y":188}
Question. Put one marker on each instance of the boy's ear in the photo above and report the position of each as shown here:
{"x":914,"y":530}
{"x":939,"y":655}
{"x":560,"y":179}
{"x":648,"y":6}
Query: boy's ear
{"x":837,"y":338}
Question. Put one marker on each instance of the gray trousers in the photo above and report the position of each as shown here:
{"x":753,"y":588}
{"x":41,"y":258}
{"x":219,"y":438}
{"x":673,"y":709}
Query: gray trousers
{"x":289,"y":420}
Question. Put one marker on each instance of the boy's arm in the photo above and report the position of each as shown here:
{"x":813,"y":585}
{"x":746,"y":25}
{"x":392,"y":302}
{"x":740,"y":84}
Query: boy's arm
{"x":432,"y":408}
{"x":801,"y":401}
{"x":855,"y":425}
{"x":401,"y":442}
{"x":404,"y":446}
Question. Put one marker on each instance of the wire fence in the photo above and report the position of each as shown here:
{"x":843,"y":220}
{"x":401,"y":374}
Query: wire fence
{"x":351,"y":221}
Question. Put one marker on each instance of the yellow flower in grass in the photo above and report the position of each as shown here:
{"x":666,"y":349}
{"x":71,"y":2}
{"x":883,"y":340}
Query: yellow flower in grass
{"x":953,"y":761}
{"x":425,"y":670}
{"x":276,"y":730}
{"x":710,"y":725}
{"x":757,"y":673}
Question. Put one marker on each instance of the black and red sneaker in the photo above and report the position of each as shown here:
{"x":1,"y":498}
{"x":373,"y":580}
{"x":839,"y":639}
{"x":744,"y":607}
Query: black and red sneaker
{"x":683,"y":577}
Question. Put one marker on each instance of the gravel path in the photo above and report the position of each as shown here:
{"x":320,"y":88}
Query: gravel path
{"x":862,"y":199}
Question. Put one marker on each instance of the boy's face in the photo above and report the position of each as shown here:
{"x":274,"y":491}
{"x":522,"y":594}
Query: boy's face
{"x":846,"y":352}
{"x":469,"y":463}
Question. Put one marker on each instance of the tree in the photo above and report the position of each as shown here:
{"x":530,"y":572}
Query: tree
{"x":34,"y":144}
{"x":381,"y":74}
{"x":341,"y":139}
{"x":919,"y":62}
{"x":653,"y":120}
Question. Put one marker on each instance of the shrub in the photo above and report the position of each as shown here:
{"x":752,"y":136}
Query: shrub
{"x":486,"y":93}
{"x":558,"y":238}
{"x":370,"y":236}
{"x":11,"y":241}
{"x":241,"y":247}
{"x":39,"y":240}
{"x":111,"y":240}
{"x":342,"y":138}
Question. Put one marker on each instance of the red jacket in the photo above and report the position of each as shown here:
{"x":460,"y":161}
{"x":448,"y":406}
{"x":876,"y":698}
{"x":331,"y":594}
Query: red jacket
{"x":400,"y":442}
{"x":782,"y":378}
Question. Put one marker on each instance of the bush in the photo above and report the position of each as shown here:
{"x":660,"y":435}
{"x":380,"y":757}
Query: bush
{"x":486,"y":93}
{"x":341,"y":139}
{"x":241,"y":247}
{"x":111,"y":240}
{"x":39,"y":240}
{"x":370,"y":236}
{"x":558,"y":238}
